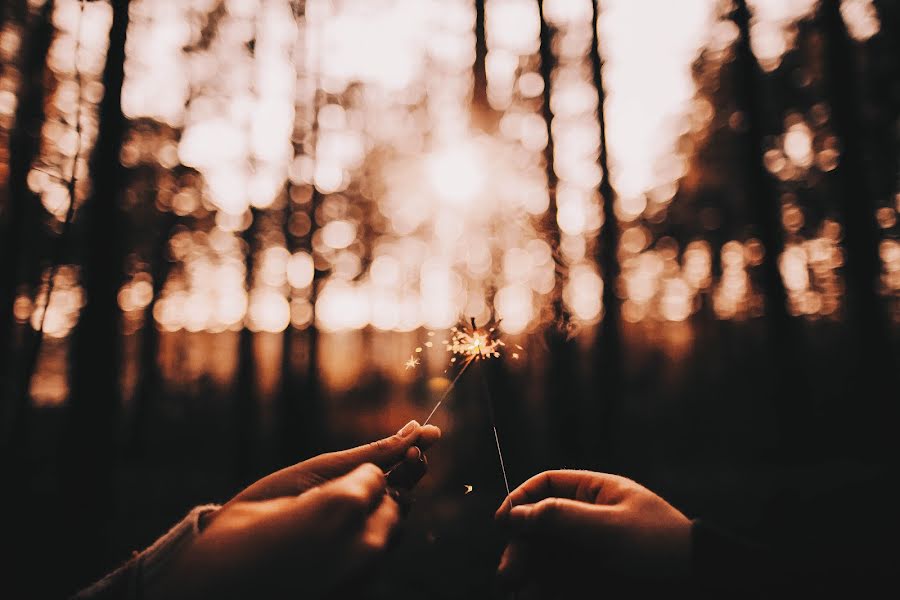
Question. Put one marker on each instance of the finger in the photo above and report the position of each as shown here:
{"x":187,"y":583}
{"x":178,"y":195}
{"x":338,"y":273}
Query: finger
{"x":428,"y":435}
{"x":402,"y":497}
{"x":513,"y":566}
{"x":355,"y":494}
{"x":407,"y":473}
{"x":380,"y":525}
{"x":385,"y":453}
{"x":562,"y":484}
{"x":368,"y":546}
{"x":561,"y":518}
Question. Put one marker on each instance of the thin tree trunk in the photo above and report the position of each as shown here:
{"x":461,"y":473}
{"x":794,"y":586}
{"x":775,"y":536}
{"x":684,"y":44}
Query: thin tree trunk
{"x":290,"y":401}
{"x":148,"y":362}
{"x":760,"y":186}
{"x":312,"y":395}
{"x":23,"y":221}
{"x":876,"y":368}
{"x":547,"y":62}
{"x":89,"y":439}
{"x":246,"y":406}
{"x":299,"y":402}
{"x":481,"y":108}
{"x":884,"y":92}
{"x":609,"y":342}
{"x":562,"y":397}
{"x":762,"y":193}
{"x":312,"y":439}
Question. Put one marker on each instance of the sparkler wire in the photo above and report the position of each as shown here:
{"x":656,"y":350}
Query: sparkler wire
{"x":449,"y":389}
{"x":439,"y":402}
{"x":490,"y":400}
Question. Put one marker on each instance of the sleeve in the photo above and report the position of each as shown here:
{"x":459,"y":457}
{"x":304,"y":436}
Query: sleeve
{"x":722,"y":562}
{"x":137,"y":579}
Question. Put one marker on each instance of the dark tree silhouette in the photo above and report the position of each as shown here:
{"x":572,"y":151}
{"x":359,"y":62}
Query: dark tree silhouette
{"x":762,"y":194}
{"x":609,"y":341}
{"x":89,"y":444}
{"x":854,"y":188}
{"x":23,"y":219}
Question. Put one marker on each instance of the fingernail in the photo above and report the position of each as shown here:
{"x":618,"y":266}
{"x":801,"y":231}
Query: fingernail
{"x":408,"y":429}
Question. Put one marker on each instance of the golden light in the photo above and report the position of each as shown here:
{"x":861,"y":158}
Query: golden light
{"x":584,"y":293}
{"x":269,"y":311}
{"x":514,"y":307}
{"x":300,"y":270}
{"x":457,"y":174}
{"x":339,"y":234}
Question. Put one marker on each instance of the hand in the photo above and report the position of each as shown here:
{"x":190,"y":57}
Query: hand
{"x":403,"y":454}
{"x":581,"y":521}
{"x":304,"y":530}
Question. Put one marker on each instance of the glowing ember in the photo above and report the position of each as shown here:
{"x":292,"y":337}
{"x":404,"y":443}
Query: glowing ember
{"x":474,"y":343}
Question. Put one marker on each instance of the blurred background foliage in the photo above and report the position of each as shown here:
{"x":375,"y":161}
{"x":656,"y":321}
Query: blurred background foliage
{"x":226,"y":225}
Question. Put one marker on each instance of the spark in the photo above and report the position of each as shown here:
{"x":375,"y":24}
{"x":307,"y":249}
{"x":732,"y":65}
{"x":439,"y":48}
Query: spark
{"x":474,"y":343}
{"x":412,"y":363}
{"x":468,"y":488}
{"x":468,"y":344}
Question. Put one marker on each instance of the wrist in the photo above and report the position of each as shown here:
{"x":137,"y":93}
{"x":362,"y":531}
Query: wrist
{"x":677,"y":559}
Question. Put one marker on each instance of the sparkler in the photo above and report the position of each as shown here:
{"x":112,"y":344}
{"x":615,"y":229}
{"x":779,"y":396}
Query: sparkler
{"x":470,"y":345}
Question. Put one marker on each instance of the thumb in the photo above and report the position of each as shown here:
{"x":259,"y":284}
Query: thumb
{"x":560,"y":517}
{"x":385,"y":452}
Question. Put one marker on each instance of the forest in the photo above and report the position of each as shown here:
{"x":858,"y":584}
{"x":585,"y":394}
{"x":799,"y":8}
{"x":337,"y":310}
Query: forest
{"x":238,"y":233}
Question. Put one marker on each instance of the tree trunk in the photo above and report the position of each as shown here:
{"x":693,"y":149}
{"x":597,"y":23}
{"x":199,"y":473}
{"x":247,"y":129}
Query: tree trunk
{"x":246,"y":406}
{"x":481,"y":108}
{"x":875,"y":366}
{"x":609,"y":342}
{"x":147,"y":390}
{"x":562,"y":397}
{"x":762,"y":193}
{"x":89,"y":450}
{"x":23,"y":221}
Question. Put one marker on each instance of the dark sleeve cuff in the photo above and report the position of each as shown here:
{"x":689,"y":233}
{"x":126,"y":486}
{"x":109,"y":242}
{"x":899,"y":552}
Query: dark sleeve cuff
{"x":724,"y":562}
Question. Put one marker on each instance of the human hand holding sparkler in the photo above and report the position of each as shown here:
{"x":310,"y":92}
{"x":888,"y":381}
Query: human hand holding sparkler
{"x":564,"y":525}
{"x":302,"y":531}
{"x":401,"y":456}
